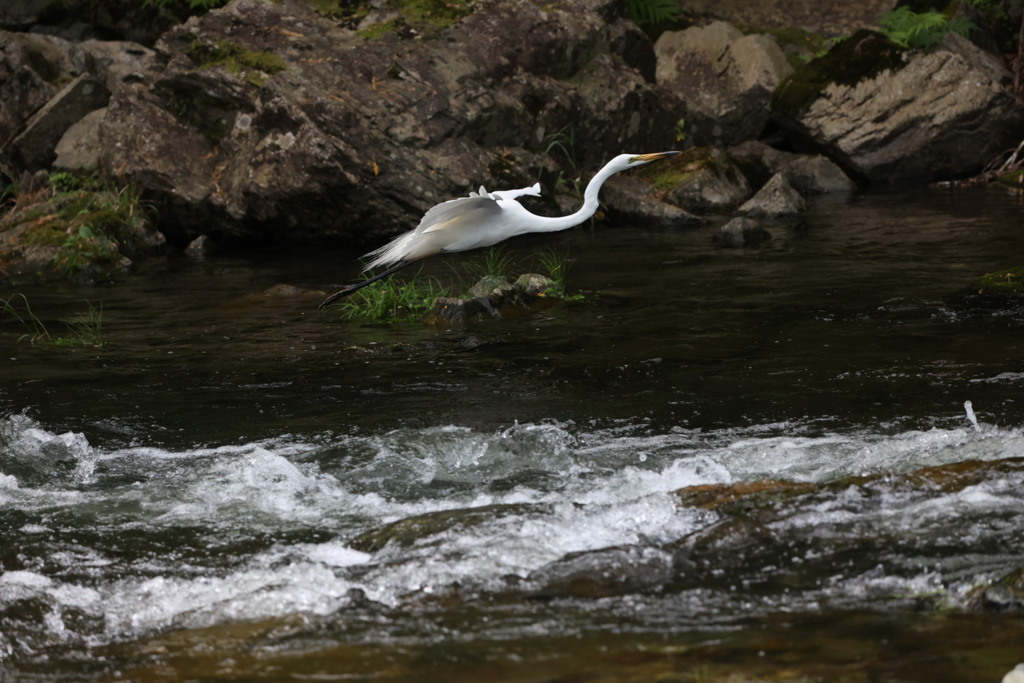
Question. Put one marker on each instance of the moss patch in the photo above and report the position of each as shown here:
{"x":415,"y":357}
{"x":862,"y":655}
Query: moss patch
{"x":863,"y":56}
{"x":669,"y":173}
{"x":80,"y":225}
{"x":1008,"y":282}
{"x":236,"y":59}
{"x":419,"y":16}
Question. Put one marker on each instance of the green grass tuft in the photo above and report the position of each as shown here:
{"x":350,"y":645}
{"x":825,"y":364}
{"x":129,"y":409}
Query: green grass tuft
{"x":393,"y":299}
{"x":83,"y":329}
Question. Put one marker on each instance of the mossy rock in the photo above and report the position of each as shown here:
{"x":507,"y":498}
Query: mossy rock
{"x":239,"y":61}
{"x":1009,"y":282}
{"x":84,"y":235}
{"x":861,"y":57}
{"x":411,"y":17}
{"x":1014,"y":178}
{"x":669,"y":173}
{"x":798,"y":44}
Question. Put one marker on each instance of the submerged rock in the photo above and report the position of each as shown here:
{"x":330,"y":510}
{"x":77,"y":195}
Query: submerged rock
{"x":741,"y":231}
{"x":603,"y":573}
{"x":1005,"y":594}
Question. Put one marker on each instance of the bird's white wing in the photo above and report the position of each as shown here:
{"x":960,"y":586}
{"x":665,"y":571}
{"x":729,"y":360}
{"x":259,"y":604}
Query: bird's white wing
{"x":454,"y":225}
{"x":498,"y":195}
{"x":477,"y":208}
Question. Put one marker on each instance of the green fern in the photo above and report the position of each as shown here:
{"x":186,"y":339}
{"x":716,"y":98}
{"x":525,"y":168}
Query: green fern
{"x":647,"y":12}
{"x":911,"y":29}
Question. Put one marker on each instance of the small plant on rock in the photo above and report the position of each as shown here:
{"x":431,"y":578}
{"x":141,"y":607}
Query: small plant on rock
{"x":911,"y":29}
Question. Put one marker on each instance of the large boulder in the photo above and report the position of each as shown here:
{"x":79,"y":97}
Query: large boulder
{"x":889,"y":116}
{"x":47,"y":84}
{"x":270,"y":122}
{"x":725,"y":78}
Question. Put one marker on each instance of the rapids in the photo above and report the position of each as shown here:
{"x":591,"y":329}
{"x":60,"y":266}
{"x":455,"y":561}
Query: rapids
{"x":797,"y":462}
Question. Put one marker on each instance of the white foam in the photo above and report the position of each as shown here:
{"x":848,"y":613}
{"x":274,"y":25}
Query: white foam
{"x":568,"y":493}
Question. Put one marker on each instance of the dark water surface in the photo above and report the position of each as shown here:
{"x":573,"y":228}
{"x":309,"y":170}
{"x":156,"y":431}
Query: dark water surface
{"x":720,"y":465}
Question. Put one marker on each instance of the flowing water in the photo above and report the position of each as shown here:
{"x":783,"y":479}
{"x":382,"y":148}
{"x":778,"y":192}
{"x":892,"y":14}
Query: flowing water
{"x":803,"y":461}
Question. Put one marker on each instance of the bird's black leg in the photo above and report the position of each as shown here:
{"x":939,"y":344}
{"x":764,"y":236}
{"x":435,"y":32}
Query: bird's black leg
{"x":349,"y":289}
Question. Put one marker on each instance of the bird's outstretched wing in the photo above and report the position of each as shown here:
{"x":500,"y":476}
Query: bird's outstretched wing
{"x":498,"y":195}
{"x":454,"y":225}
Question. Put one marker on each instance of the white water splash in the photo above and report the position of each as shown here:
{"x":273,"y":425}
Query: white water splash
{"x":562,"y":492}
{"x":969,"y":409}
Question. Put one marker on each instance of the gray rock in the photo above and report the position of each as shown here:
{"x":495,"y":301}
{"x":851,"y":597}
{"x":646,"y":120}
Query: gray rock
{"x":117,"y":61}
{"x":636,"y":202}
{"x":33,"y":148}
{"x":725,"y":78}
{"x":942,"y":114}
{"x":490,"y":286}
{"x":33,"y":68}
{"x":777,"y":199}
{"x":715,"y":183}
{"x":79,"y":147}
{"x":807,"y":173}
{"x":493,"y":296}
{"x":741,"y":232}
{"x":533,"y":284}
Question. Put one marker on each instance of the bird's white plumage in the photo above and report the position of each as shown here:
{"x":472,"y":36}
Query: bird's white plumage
{"x":455,"y":225}
{"x":483,"y":219}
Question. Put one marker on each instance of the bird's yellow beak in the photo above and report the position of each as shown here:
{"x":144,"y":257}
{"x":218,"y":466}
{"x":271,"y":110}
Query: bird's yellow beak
{"x":647,"y":158}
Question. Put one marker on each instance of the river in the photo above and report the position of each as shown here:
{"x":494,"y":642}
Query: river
{"x":802,"y":461}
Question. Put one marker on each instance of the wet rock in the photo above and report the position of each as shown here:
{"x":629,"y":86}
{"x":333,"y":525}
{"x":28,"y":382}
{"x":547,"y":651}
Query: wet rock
{"x":603,"y":573}
{"x":741,"y":231}
{"x":495,"y":296}
{"x":284,"y":290}
{"x":1005,"y":594}
{"x":201,"y":247}
{"x":491,"y":286}
{"x":455,"y":309}
{"x":419,"y":528}
{"x":777,"y":199}
{"x":725,"y":78}
{"x":889,"y":116}
{"x":807,"y":173}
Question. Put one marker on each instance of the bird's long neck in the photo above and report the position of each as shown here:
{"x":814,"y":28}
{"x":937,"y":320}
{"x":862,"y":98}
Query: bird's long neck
{"x":590,"y":205}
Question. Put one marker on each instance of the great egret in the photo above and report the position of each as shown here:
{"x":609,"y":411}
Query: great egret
{"x":481,"y":220}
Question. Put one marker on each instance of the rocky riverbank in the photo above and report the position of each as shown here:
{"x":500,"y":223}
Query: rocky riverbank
{"x":290,"y":122}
